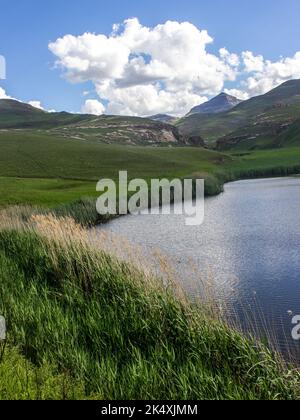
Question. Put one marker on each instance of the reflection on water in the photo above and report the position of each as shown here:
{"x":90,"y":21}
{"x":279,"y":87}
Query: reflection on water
{"x":249,"y":244}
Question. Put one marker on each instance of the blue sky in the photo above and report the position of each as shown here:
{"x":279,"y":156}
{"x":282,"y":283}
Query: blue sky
{"x":267,"y":27}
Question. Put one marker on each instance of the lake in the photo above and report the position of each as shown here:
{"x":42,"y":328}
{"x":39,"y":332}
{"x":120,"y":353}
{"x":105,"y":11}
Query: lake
{"x":248,"y":248}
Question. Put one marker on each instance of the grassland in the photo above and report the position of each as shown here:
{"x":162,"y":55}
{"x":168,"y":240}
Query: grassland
{"x":39,"y":169}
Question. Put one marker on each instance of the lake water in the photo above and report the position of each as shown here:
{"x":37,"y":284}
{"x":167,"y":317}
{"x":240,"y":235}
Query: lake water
{"x":249,"y":245}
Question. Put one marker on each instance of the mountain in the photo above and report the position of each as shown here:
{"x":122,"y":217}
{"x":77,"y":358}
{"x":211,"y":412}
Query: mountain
{"x":14,"y":112}
{"x":220,"y":103}
{"x":18,"y":115}
{"x":255,"y":123}
{"x":105,"y":129}
{"x":163,"y":118}
{"x":10,"y":105}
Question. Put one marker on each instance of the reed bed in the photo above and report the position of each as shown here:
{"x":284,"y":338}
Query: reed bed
{"x":116,"y":330}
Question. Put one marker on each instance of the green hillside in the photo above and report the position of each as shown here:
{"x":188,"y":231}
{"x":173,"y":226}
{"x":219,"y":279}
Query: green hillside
{"x":290,"y":137}
{"x":39,"y":168}
{"x":14,"y":114}
{"x":256,"y":123}
{"x":106,"y":129}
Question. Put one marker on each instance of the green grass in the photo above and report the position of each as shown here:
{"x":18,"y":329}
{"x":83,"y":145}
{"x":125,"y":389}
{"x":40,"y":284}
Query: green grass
{"x":37,"y":155}
{"x":42,"y":170}
{"x":43,"y":192}
{"x":275,"y":162}
{"x":290,"y":137}
{"x":21,"y":380}
{"x":39,"y":169}
{"x":121,"y":336}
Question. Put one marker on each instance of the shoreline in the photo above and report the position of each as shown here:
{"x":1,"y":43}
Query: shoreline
{"x":110,"y":218}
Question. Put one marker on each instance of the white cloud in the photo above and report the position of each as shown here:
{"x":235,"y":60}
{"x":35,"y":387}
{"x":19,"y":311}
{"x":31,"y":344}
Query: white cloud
{"x":141,"y":70}
{"x":231,"y":59}
{"x":238,"y":93}
{"x":36,"y":104}
{"x":137,"y":70}
{"x":252,"y":63}
{"x":3,"y":94}
{"x":94,"y":107}
{"x":266,"y":75}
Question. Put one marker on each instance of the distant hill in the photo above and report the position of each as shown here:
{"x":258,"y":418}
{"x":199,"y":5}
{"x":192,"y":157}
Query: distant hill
{"x":255,"y":123}
{"x":10,"y":105}
{"x":163,"y":118}
{"x":105,"y":129}
{"x":18,"y":115}
{"x":220,"y":103}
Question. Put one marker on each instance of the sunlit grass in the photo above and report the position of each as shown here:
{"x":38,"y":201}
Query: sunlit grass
{"x":118,"y":331}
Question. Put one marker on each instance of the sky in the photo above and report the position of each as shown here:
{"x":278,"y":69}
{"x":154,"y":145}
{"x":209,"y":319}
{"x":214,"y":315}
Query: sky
{"x":145,"y":57}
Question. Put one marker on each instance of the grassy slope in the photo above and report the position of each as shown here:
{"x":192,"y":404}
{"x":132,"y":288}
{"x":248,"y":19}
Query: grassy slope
{"x":262,"y":115}
{"x":15,"y":115}
{"x":119,"y":335}
{"x":211,"y":126}
{"x":40,"y":169}
{"x":53,"y":170}
{"x":266,"y":163}
{"x":291,"y":137}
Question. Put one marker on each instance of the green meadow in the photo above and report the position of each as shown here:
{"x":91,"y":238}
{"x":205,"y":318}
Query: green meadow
{"x":39,"y":169}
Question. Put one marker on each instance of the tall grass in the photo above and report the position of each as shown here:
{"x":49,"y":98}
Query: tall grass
{"x":21,"y":380}
{"x":118,"y":331}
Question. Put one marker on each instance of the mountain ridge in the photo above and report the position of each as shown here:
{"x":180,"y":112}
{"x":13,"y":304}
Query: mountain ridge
{"x":220,"y":103}
{"x":163,"y":118}
{"x":105,"y":128}
{"x":257,"y":120}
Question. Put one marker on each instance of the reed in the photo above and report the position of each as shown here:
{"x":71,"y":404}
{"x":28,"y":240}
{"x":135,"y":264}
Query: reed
{"x":118,"y":330}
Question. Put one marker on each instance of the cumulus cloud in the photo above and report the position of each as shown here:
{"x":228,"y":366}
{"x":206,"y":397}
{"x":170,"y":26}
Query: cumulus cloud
{"x":231,"y":59}
{"x":266,"y":75}
{"x":94,"y":107}
{"x":36,"y":104}
{"x":3,"y":94}
{"x":139,"y":70}
{"x":239,"y":94}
